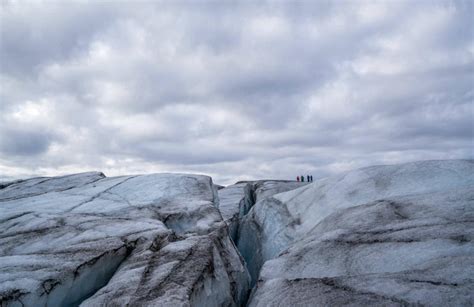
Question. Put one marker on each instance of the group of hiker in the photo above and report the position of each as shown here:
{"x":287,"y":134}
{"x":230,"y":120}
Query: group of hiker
{"x":309,"y":178}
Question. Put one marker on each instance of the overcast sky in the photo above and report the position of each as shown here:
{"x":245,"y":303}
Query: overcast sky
{"x":233,"y":89}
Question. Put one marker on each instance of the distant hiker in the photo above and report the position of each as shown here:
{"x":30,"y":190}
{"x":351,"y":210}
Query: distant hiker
{"x":311,"y":177}
{"x":298,"y":178}
{"x":302,"y":178}
{"x":307,"y":177}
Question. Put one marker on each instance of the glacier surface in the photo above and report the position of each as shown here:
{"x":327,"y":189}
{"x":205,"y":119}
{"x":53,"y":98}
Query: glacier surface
{"x":138,"y":240}
{"x":384,"y":235}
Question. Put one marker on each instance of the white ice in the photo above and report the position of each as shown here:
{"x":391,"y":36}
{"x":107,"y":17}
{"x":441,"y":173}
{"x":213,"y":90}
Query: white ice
{"x":382,"y":235}
{"x":94,"y":240}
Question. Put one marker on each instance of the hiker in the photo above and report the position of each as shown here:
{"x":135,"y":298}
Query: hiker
{"x":311,"y":177}
{"x":307,"y":176}
{"x":302,"y":178}
{"x":298,"y":178}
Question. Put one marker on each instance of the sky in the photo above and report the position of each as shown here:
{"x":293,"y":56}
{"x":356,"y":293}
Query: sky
{"x":233,"y":89}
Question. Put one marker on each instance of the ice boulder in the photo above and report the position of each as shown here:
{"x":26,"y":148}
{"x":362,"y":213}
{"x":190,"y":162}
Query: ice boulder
{"x":89,"y":240}
{"x":384,"y":235}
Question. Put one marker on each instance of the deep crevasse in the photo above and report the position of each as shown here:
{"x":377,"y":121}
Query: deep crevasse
{"x":237,"y":204}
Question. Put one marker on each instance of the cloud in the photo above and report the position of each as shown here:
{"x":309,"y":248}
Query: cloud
{"x":24,"y":143}
{"x":236,"y":90}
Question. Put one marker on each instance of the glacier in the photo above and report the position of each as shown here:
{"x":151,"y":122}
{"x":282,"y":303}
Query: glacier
{"x":90,"y":240}
{"x":384,"y":235}
{"x":381,"y":235}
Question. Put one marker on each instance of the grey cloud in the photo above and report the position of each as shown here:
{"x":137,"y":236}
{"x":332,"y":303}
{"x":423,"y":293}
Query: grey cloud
{"x":34,"y":34}
{"x":23,"y":142}
{"x":235,"y":89}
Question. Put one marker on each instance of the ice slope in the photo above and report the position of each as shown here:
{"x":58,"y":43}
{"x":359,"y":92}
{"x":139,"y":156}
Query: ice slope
{"x":139,"y":240}
{"x":385,"y":235}
{"x":267,"y":188}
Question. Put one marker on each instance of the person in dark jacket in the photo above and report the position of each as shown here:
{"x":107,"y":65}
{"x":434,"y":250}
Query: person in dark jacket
{"x":302,"y":178}
{"x":307,"y":177}
{"x":298,"y":178}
